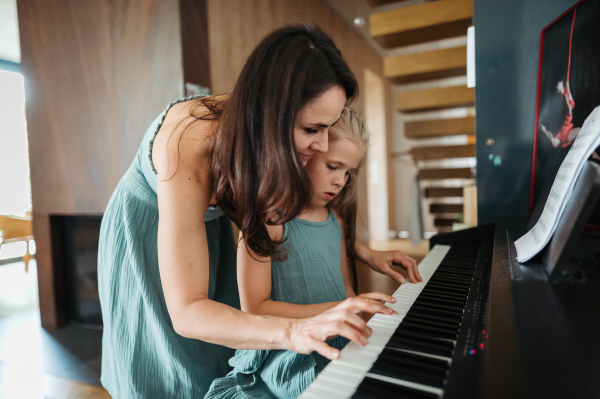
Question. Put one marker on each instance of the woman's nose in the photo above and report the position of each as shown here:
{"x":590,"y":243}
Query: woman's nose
{"x":321,"y":142}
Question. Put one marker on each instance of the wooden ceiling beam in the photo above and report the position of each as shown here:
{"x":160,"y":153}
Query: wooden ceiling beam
{"x":433,"y":99}
{"x":427,"y":65}
{"x":440,"y":127}
{"x":422,"y":23}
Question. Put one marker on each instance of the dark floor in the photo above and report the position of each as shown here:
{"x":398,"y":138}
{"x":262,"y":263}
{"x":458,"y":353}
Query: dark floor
{"x":70,"y":352}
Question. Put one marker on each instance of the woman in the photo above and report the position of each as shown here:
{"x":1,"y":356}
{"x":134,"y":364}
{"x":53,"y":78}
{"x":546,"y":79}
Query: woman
{"x":168,"y":286}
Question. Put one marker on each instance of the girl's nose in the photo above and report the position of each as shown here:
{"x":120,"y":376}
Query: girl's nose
{"x":321,"y":142}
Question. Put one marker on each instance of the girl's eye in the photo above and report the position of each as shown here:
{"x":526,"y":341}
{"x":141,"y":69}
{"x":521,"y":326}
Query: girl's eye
{"x":310,"y":130}
{"x":331,"y":167}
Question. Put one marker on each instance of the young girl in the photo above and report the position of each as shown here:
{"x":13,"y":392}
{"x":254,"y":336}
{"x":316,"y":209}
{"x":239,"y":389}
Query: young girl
{"x":314,"y":277}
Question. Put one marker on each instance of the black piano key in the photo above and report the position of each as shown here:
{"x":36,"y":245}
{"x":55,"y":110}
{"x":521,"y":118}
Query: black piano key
{"x":414,"y":342}
{"x":371,"y":388}
{"x":430,"y":331}
{"x":446,"y":288}
{"x":457,"y":263}
{"x":443,"y":297}
{"x":444,"y":314}
{"x":432,"y":323}
{"x":452,"y":278}
{"x":456,"y":272}
{"x":427,"y":297}
{"x":437,"y":305}
{"x":411,"y":367}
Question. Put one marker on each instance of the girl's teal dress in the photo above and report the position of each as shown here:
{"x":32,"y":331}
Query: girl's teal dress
{"x":142,"y":355}
{"x":311,"y":274}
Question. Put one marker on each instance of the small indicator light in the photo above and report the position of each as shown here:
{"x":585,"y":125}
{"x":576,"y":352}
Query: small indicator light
{"x":484,"y":331}
{"x":481,"y":346}
{"x":486,"y":335}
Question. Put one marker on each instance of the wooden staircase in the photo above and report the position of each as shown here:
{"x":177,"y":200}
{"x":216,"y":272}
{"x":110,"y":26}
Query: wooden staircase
{"x":419,"y":72}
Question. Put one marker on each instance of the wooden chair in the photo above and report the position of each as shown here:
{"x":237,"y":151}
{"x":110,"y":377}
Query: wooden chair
{"x":15,"y":229}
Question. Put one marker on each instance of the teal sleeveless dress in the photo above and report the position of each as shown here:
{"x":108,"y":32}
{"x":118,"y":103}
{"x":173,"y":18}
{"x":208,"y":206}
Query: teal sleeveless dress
{"x":311,"y":274}
{"x":142,"y":355}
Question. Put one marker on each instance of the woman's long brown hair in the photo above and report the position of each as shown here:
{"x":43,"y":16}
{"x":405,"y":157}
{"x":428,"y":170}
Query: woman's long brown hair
{"x":258,"y":177}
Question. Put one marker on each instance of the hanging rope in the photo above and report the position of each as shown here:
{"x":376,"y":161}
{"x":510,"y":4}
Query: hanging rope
{"x":571,"y":44}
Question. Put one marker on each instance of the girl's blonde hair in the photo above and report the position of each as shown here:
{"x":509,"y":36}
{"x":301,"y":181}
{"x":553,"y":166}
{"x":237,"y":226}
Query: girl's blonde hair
{"x":350,"y":127}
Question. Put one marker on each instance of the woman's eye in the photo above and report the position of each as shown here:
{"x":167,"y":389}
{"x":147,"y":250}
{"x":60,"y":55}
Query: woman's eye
{"x":310,"y":130}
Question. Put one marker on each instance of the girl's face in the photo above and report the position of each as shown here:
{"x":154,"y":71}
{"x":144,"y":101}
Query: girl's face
{"x":329,"y":171}
{"x":313,"y":121}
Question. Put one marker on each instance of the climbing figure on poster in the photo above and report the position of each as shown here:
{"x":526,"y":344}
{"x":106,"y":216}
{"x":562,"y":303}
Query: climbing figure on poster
{"x":567,"y":133}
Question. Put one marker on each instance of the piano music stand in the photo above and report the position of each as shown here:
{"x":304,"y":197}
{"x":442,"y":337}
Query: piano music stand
{"x":578,"y":210}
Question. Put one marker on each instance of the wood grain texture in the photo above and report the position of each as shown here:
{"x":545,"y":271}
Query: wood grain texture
{"x":445,"y":173}
{"x":446,"y":208}
{"x":426,"y":65}
{"x":421,"y":23}
{"x":440,"y":127}
{"x":194,"y":39}
{"x":442,"y":152}
{"x":433,"y":99}
{"x":441,"y":192}
{"x":96,"y":75}
{"x":237,"y":26}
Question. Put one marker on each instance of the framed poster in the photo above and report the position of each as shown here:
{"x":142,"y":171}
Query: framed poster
{"x":568,"y":88}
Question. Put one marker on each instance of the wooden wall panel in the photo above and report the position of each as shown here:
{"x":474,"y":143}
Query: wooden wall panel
{"x":237,"y":26}
{"x":194,"y":39}
{"x":96,"y":75}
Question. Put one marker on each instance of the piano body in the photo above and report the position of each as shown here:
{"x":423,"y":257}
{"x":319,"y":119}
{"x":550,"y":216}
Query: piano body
{"x":481,"y":325}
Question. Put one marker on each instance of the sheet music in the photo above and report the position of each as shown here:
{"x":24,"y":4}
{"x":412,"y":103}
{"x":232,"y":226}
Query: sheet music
{"x":584,"y":145}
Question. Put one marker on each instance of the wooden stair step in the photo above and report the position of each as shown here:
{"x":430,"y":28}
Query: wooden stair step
{"x":444,"y":152}
{"x":433,"y":99}
{"x":377,"y":3}
{"x":440,"y":127}
{"x":445,"y":173}
{"x":421,"y":23}
{"x":446,"y":208}
{"x":427,"y":65}
{"x":444,"y":222}
{"x":442,"y":192}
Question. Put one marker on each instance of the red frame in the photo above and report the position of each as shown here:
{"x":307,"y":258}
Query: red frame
{"x":537,"y":105}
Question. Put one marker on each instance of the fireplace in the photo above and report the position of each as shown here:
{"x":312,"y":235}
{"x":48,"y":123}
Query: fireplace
{"x":77,"y":250}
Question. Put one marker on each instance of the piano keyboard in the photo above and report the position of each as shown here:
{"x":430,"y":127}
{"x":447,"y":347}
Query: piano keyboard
{"x":409,"y":354}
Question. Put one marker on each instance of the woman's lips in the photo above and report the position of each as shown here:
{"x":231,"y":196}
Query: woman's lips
{"x":330,"y":196}
{"x":304,"y":157}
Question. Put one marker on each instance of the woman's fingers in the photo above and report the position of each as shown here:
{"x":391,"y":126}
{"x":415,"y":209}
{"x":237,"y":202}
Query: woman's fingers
{"x":325,"y":350}
{"x":378,"y":296}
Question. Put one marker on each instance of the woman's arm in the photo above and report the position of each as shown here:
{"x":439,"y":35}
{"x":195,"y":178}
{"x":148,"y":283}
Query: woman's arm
{"x":382,"y":261}
{"x":184,"y":193}
{"x":254,"y":283}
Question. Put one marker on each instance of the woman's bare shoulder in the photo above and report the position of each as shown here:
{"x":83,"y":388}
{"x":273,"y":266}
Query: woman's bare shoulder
{"x":183,"y":139}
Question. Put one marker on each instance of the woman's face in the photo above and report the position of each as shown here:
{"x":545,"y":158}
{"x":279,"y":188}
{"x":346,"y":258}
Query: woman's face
{"x":314,"y":120}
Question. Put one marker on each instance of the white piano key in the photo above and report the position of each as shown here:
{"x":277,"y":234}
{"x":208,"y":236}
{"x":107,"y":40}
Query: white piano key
{"x":341,"y":377}
{"x":409,"y":384}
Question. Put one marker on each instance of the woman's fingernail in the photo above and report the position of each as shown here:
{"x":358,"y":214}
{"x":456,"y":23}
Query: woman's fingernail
{"x":364,"y":340}
{"x":393,"y":300}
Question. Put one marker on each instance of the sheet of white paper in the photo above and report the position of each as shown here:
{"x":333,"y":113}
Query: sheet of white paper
{"x":584,"y":145}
